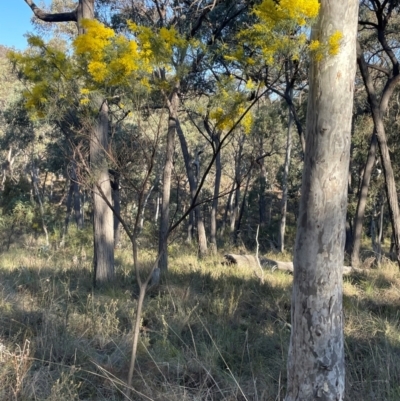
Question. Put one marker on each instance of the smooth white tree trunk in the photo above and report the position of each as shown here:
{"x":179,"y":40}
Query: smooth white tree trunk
{"x":316,"y":354}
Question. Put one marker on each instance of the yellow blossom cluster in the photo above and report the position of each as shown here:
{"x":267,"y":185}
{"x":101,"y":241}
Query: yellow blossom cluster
{"x":231,"y":107}
{"x":323,"y":50}
{"x":45,"y":68}
{"x":334,"y":43}
{"x":281,"y":31}
{"x":109,"y":58}
{"x":112,"y":59}
{"x":102,"y":60}
{"x":273,"y":14}
{"x":157,"y":47}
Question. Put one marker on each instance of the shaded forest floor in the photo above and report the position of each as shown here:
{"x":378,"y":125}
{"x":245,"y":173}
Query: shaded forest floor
{"x":209,"y":332}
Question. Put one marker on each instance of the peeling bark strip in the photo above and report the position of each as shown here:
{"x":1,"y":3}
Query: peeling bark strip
{"x":316,"y":352}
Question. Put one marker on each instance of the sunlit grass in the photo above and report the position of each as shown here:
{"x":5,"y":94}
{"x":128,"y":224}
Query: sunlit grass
{"x":208,"y":330}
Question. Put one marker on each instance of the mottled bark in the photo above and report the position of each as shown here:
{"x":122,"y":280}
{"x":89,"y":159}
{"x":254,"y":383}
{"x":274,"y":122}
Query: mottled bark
{"x":362,"y":202}
{"x":316,"y":353}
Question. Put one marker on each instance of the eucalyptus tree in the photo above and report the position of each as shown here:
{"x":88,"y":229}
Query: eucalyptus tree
{"x":316,"y":352}
{"x":98,"y":139}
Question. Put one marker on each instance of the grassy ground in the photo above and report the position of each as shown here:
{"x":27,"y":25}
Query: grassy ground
{"x":209,"y":332}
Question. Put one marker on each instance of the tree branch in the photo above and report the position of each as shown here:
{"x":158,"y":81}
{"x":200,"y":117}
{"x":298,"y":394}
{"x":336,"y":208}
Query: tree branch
{"x":49,"y":17}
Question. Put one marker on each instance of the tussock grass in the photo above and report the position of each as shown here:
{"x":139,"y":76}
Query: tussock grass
{"x":208,"y":332}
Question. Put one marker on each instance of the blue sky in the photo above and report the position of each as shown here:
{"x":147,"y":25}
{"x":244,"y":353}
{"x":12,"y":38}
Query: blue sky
{"x":15,"y":21}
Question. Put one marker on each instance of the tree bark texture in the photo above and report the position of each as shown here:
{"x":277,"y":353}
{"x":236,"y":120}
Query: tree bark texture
{"x":362,"y":201}
{"x":103,"y":220}
{"x":316,"y":353}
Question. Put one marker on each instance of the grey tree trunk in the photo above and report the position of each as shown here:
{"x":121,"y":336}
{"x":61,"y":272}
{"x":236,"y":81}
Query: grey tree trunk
{"x":316,"y":353}
{"x":146,"y":200}
{"x":158,"y":202}
{"x":103,"y":221}
{"x":238,"y":229}
{"x":116,"y":196}
{"x":262,"y":186}
{"x":282,"y":225}
{"x":228,"y":208}
{"x":166,"y":186}
{"x":235,"y":208}
{"x":377,"y":229}
{"x":76,"y":195}
{"x":201,"y":230}
{"x":201,"y":233}
{"x":362,"y":202}
{"x":214,"y":206}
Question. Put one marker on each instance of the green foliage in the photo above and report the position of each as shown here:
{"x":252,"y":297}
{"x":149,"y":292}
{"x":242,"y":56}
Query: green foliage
{"x":16,"y":196}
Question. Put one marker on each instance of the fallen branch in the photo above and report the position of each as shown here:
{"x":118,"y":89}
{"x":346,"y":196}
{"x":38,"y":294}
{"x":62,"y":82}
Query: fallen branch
{"x":252,"y":261}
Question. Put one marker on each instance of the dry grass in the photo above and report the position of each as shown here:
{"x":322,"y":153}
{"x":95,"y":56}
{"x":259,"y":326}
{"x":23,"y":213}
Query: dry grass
{"x":209,"y":332}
